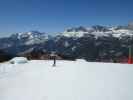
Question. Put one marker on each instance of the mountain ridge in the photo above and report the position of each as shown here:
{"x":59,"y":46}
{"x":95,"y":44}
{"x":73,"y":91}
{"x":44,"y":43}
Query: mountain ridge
{"x":90,"y":43}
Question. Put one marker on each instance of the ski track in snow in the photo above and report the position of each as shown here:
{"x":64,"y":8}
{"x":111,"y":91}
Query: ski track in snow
{"x":69,"y":80}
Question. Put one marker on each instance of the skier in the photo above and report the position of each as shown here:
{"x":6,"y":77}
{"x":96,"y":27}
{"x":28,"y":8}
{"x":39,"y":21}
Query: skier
{"x":53,"y":56}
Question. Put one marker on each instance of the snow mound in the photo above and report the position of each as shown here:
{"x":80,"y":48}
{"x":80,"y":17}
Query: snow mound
{"x":80,"y":60}
{"x":18,"y":60}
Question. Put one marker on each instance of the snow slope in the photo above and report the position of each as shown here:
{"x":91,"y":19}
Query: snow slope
{"x":70,"y":80}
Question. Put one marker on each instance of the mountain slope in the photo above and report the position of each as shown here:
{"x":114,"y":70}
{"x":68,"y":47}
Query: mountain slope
{"x":73,"y":80}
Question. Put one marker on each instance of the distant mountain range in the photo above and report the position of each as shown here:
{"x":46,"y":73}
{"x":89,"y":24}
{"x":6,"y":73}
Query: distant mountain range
{"x":96,"y":43}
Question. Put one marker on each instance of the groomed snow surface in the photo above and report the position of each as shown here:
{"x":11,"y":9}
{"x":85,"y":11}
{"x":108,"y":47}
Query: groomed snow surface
{"x":69,"y":80}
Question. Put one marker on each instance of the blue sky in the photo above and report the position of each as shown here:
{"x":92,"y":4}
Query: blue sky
{"x":55,"y":15}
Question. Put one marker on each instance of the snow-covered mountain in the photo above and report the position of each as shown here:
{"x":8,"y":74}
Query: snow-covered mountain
{"x":90,"y":43}
{"x":28,"y":35}
{"x":30,"y":38}
{"x":98,"y":31}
